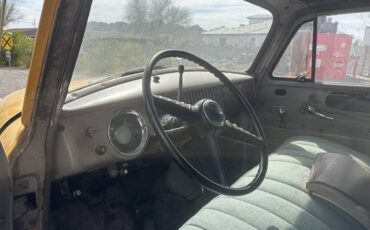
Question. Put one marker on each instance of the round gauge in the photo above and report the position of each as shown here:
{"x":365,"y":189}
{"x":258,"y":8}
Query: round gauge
{"x":128,"y":133}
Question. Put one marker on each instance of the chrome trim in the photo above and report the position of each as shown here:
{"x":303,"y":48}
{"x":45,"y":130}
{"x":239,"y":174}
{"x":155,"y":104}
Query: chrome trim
{"x":315,"y":111}
{"x":144,"y":134}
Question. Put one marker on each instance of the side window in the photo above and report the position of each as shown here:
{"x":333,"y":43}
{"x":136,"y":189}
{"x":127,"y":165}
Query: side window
{"x":296,"y":60}
{"x":17,"y":42}
{"x":343,"y":49}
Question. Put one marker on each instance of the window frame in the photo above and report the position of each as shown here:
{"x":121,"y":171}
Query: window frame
{"x":313,"y":81}
{"x":313,"y":57}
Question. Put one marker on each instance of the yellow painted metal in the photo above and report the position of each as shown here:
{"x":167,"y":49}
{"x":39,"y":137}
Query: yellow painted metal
{"x":10,"y":106}
{"x":38,"y":58}
{"x":24,"y":100}
{"x":12,"y":136}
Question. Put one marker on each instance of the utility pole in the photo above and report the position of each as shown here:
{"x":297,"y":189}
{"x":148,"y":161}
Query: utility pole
{"x":2,"y":15}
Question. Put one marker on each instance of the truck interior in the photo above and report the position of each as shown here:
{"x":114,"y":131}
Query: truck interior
{"x":208,"y":115}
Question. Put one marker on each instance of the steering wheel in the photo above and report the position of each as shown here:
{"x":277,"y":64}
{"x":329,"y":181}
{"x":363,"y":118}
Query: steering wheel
{"x":208,"y":117}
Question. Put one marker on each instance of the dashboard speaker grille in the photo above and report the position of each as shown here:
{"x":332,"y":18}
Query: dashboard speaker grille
{"x":214,"y":93}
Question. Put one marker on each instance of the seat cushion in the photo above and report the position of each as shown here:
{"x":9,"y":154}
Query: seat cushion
{"x":282,"y":201}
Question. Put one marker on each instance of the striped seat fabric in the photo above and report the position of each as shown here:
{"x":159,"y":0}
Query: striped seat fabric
{"x":282,"y":201}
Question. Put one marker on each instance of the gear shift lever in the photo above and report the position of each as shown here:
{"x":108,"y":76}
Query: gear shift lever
{"x":181,"y":69}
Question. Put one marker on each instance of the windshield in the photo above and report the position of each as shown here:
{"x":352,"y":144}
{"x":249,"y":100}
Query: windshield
{"x":123,"y":36}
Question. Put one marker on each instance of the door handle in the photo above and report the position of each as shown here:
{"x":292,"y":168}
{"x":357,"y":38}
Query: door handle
{"x":314,"y":110}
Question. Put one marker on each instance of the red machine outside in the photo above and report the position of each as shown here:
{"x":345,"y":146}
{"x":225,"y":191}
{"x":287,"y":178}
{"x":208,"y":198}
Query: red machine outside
{"x":332,"y":56}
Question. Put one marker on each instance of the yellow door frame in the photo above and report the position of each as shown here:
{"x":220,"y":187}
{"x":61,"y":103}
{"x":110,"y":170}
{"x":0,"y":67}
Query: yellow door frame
{"x":13,"y":135}
{"x":38,"y":57}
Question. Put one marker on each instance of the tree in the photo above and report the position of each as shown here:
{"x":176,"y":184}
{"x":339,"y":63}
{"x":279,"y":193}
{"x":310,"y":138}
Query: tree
{"x":178,"y":16}
{"x":165,"y":12}
{"x":11,"y":14}
{"x":136,"y":11}
{"x":158,"y":11}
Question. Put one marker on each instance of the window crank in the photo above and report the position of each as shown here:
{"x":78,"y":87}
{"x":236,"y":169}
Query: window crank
{"x":282,"y":111}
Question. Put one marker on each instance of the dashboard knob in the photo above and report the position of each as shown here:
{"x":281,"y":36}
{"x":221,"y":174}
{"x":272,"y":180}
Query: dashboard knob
{"x":91,"y":132}
{"x":100,"y":149}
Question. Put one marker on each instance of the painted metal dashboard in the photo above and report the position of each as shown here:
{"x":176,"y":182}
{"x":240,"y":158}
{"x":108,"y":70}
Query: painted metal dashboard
{"x":89,"y":123}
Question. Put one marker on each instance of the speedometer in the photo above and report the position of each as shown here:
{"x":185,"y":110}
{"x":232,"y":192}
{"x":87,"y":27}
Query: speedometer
{"x":128,"y":133}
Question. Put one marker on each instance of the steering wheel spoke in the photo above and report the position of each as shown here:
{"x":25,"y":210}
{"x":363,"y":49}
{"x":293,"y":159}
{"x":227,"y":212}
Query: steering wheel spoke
{"x":233,"y":132}
{"x":216,"y":156}
{"x":182,"y":110}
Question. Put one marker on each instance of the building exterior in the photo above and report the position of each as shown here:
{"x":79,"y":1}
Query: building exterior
{"x":367,"y":36}
{"x":250,"y":35}
{"x":360,"y":56}
{"x":259,"y":18}
{"x":30,"y":32}
{"x":365,"y":56}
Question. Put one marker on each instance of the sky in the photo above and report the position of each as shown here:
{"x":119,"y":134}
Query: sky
{"x":354,"y":24}
{"x":30,"y":11}
{"x":207,"y":13}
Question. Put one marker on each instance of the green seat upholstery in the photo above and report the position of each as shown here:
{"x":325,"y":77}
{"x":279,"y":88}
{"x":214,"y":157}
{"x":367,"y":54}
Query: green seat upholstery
{"x":282,"y":201}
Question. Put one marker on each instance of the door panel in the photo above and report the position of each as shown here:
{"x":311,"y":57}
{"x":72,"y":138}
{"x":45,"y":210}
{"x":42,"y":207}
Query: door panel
{"x":320,"y":86}
{"x":355,"y":102}
{"x":6,"y":193}
{"x":350,"y":127}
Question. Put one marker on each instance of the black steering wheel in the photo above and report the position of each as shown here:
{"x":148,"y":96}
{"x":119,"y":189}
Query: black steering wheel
{"x":206,"y":116}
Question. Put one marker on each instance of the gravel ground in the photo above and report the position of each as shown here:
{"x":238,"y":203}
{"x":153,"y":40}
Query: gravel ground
{"x":12,"y":79}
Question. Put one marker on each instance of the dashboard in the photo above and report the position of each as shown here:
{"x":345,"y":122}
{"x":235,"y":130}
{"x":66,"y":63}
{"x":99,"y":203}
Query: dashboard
{"x":110,"y":125}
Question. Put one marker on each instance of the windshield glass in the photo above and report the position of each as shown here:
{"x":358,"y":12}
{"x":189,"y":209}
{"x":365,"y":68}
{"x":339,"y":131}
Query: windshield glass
{"x":124,"y":35}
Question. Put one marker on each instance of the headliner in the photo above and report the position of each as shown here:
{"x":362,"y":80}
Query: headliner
{"x":287,"y":8}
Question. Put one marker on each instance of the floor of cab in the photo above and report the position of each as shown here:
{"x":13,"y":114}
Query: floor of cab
{"x":140,"y":200}
{"x":154,"y":194}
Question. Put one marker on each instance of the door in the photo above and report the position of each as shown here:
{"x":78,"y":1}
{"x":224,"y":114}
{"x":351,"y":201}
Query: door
{"x":6,"y":192}
{"x":320,"y":86}
{"x":6,"y":181}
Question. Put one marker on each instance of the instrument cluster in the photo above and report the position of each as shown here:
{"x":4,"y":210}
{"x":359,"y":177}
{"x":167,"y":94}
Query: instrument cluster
{"x":128,"y":133}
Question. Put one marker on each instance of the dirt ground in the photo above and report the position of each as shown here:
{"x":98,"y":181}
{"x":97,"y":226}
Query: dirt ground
{"x":12,"y":79}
